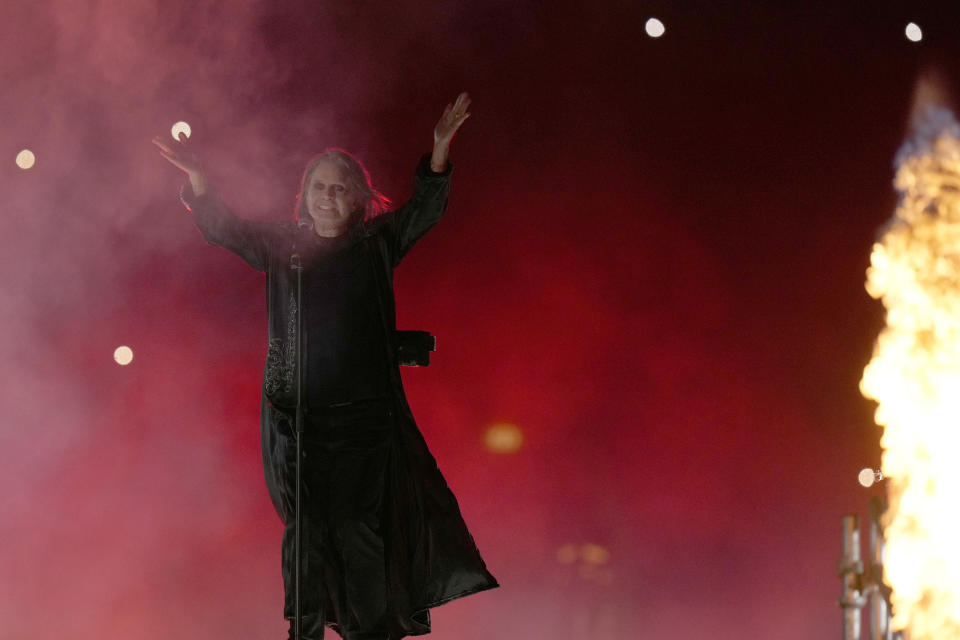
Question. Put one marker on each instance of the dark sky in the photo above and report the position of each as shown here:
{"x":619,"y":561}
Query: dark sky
{"x":652,"y":263}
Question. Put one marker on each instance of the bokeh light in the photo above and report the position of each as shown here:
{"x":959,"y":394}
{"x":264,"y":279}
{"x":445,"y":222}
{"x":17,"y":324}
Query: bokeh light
{"x":655,"y":28}
{"x":26,"y":159}
{"x":178,"y":128}
{"x":503,"y":437}
{"x":586,"y":561}
{"x":123,"y":355}
{"x":594,"y":554}
{"x":914,"y":34}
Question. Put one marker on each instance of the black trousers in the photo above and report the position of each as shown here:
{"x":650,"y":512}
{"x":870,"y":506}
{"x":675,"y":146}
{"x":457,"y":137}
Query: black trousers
{"x":343,"y":567}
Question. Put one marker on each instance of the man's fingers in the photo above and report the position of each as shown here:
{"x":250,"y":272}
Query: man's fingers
{"x":156,"y":141}
{"x":461,"y":105}
{"x":170,"y":155}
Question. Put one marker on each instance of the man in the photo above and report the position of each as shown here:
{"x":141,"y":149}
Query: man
{"x":382,"y":538}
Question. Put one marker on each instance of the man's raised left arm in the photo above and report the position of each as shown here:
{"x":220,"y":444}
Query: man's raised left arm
{"x":432,"y":185}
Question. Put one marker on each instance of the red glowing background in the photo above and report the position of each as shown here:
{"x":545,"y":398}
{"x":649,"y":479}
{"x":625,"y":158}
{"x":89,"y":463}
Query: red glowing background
{"x":652,"y":264}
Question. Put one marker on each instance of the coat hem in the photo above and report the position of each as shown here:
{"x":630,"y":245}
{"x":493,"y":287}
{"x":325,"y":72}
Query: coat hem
{"x":425,"y":608}
{"x":443,"y":601}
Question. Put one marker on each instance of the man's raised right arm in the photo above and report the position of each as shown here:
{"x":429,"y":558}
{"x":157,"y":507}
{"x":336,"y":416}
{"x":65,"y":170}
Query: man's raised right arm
{"x":219,"y":226}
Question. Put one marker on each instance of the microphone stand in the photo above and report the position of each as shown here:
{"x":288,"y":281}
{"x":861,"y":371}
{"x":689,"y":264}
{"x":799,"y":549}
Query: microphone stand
{"x":297,"y":551}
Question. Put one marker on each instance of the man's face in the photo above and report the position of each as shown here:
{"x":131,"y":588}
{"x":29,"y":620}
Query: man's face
{"x":329,"y":202}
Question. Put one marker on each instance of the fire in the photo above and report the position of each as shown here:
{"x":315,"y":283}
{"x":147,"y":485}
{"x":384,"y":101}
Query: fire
{"x":915,"y":378}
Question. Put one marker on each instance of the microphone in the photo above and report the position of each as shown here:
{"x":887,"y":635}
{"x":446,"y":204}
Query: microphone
{"x":294,"y":256}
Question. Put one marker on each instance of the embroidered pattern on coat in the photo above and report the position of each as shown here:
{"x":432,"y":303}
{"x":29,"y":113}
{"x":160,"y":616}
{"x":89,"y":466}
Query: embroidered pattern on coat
{"x":281,"y":356}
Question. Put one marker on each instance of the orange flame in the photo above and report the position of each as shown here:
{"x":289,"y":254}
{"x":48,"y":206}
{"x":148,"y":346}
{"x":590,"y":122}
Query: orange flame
{"x":915,"y":378}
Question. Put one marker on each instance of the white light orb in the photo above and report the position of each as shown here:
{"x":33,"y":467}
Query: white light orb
{"x":868,"y":476}
{"x":914,"y":34}
{"x":655,"y":28}
{"x":178,"y":128}
{"x":26,"y":159}
{"x":123,"y":355}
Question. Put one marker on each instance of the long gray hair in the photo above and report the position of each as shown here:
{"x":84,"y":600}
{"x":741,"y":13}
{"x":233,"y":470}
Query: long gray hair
{"x":357,"y":180}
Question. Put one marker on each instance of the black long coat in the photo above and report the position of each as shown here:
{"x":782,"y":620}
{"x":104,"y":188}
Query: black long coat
{"x":430,"y":555}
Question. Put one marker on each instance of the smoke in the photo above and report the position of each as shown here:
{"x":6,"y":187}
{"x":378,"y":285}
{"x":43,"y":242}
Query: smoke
{"x":618,"y":275}
{"x":132,"y":503}
{"x":135,"y":501}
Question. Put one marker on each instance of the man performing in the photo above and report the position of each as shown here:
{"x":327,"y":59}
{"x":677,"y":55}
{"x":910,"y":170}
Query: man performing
{"x":382,"y":538}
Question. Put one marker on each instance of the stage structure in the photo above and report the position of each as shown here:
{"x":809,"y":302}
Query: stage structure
{"x":865,"y":589}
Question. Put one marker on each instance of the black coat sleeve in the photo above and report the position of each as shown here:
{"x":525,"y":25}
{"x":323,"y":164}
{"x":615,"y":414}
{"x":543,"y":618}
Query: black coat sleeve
{"x":419,"y":214}
{"x":220,"y":227}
